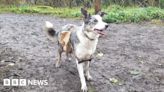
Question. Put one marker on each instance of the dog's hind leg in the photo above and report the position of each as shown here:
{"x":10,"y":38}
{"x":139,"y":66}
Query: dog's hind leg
{"x":81,"y":75}
{"x":87,"y":73}
{"x":60,"y":50}
{"x":68,"y":56}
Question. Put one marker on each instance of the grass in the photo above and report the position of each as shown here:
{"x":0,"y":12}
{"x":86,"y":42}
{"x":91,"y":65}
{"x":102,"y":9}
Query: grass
{"x":47,"y":10}
{"x":115,"y":13}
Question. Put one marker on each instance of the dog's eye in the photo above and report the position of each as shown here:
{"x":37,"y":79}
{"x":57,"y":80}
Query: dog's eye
{"x":95,"y":20}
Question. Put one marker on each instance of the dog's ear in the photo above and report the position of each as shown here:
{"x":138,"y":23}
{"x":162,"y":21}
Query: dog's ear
{"x":84,"y":12}
{"x":86,"y":15}
{"x":101,"y":13}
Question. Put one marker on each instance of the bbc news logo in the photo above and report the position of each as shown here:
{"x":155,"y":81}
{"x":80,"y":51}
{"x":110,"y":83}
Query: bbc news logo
{"x":24,"y":82}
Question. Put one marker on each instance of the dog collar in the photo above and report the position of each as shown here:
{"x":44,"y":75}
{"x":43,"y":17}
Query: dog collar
{"x":88,"y":37}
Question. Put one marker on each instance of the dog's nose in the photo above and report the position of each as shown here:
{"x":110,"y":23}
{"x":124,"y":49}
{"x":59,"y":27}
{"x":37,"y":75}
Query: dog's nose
{"x":106,"y":26}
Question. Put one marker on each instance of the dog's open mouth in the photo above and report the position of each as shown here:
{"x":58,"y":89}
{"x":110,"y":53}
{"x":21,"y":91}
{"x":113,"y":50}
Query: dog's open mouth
{"x":101,"y":32}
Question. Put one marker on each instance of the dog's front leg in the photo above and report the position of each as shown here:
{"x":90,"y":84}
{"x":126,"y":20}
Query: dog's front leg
{"x":81,"y":75}
{"x":87,"y":73}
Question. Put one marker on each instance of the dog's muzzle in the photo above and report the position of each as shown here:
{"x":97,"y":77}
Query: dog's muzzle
{"x":101,"y":32}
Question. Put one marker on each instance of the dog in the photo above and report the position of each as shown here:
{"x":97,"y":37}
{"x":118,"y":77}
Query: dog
{"x":79,"y":41}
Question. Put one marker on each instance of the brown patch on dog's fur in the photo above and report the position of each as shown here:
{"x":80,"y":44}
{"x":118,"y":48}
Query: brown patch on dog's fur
{"x":64,"y":41}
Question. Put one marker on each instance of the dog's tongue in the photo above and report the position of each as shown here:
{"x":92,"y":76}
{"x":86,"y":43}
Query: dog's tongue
{"x":101,"y":32}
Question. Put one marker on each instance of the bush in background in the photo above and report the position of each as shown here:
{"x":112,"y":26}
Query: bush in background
{"x":132,"y":14}
{"x":115,"y":13}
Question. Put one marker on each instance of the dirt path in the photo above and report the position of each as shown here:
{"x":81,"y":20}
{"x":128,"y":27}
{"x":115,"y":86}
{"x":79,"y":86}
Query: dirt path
{"x":133,"y":59}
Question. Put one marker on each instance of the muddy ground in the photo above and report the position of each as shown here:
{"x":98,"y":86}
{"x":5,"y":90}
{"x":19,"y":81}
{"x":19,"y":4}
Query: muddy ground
{"x":132,"y":60}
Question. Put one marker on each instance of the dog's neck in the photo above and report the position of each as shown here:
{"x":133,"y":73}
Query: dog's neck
{"x":85,"y":35}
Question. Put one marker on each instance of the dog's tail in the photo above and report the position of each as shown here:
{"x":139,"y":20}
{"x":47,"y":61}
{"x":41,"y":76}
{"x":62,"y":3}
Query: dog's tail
{"x":50,"y":31}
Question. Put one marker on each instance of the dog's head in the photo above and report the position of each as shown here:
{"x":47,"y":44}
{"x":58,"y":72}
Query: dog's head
{"x":94,"y":26}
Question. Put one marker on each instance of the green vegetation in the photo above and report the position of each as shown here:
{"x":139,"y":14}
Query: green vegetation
{"x":115,"y":13}
{"x":61,"y":12}
{"x":133,"y":14}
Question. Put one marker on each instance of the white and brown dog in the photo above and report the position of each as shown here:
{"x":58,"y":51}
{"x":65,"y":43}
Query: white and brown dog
{"x":80,"y":41}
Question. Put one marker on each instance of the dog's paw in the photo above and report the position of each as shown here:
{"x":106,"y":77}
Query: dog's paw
{"x":84,"y":88}
{"x":68,"y":59}
{"x":57,"y":65}
{"x":89,"y":78}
